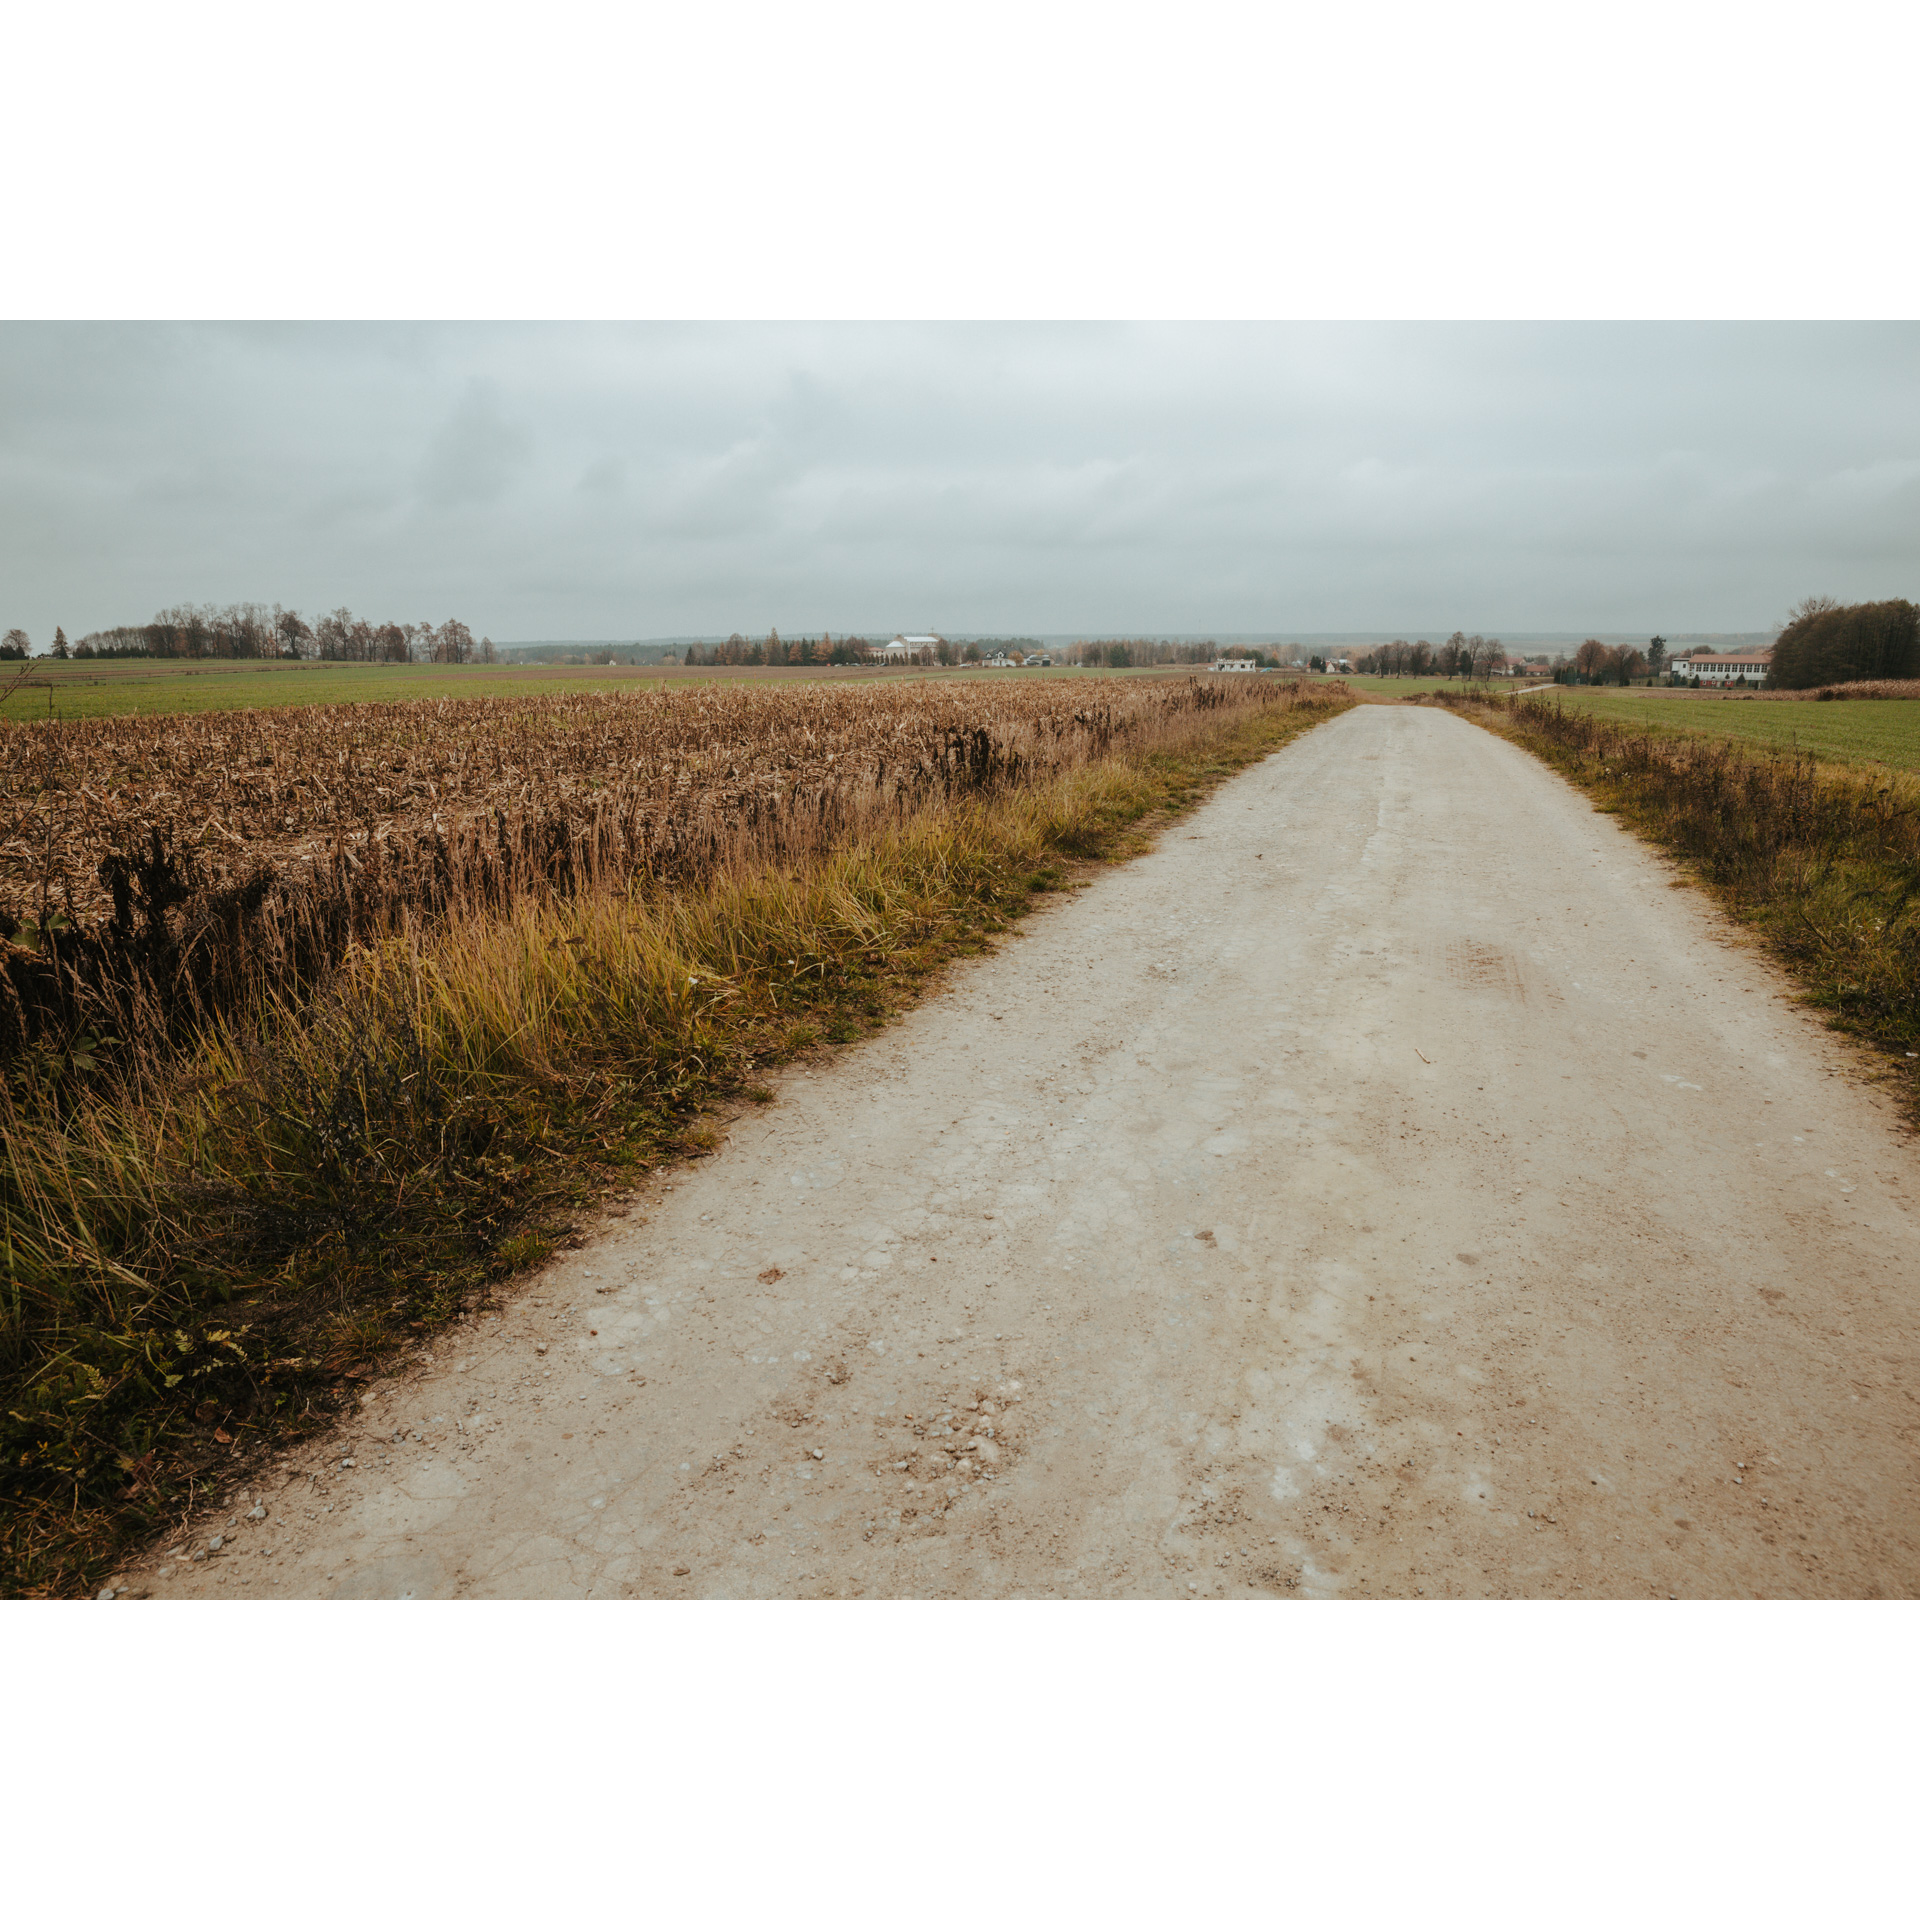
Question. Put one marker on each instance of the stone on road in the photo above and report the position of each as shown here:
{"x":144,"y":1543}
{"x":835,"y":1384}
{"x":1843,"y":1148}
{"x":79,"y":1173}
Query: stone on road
{"x":1392,"y":1184}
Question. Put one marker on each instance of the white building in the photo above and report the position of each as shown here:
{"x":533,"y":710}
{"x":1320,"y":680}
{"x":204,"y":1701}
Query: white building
{"x":1233,"y":666}
{"x":910,"y":646}
{"x":1718,"y":669}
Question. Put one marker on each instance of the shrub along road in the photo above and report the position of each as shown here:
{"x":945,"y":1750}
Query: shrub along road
{"x":1390,"y":1185}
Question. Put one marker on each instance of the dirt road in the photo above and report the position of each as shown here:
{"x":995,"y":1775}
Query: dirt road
{"x":1391,"y":1185}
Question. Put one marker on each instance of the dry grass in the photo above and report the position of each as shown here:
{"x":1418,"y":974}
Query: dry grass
{"x":209,"y":1243}
{"x":157,"y":871}
{"x":1863,"y":690}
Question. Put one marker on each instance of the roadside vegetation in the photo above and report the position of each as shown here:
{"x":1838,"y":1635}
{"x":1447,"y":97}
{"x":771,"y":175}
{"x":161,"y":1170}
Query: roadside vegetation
{"x":1821,"y":860}
{"x":322,"y":1023}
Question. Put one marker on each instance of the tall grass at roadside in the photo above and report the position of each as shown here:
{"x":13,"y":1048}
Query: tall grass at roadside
{"x":205,"y":1251}
{"x":1822,"y":860}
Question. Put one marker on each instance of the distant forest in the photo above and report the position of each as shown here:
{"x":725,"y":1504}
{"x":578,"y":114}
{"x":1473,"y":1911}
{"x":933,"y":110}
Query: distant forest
{"x":851,"y":650}
{"x":1469,"y":657}
{"x":251,"y":632}
{"x":1825,"y":644}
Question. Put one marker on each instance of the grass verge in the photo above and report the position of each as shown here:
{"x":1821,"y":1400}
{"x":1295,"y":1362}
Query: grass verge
{"x":1821,"y":860}
{"x":204,"y":1259}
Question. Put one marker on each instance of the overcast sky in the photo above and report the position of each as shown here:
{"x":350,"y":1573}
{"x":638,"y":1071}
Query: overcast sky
{"x":615,"y":483}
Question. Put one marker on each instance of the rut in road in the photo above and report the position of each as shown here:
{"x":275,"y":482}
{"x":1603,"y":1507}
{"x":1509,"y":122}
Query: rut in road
{"x":1389,"y":1185}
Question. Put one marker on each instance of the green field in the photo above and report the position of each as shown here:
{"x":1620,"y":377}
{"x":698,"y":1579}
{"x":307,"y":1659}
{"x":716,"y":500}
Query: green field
{"x":90,"y":689}
{"x":1882,"y":731}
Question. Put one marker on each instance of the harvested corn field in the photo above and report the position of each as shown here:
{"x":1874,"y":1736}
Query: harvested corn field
{"x":155,"y":869}
{"x":315,"y":1065}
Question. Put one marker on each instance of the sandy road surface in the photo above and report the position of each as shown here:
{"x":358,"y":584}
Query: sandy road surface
{"x":1390,"y":1185}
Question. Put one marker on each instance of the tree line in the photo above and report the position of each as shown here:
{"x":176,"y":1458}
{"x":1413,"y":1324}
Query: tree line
{"x":1825,"y":643}
{"x":850,"y":650}
{"x":1459,"y":656}
{"x":249,"y":631}
{"x":737,"y":650}
{"x":1175,"y":653}
{"x":1594,"y":663}
{"x":1822,"y":644}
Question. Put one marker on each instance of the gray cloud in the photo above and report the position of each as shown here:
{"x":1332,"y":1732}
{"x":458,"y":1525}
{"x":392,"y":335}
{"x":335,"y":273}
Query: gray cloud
{"x":610,"y":483}
{"x":477,"y":452}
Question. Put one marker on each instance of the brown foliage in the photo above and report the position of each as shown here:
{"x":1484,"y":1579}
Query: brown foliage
{"x":155,"y":869}
{"x":209,"y":1249}
{"x":1825,"y":644}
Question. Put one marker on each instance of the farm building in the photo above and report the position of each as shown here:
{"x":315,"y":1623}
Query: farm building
{"x":910,"y":646}
{"x":1233,"y":666}
{"x":1720,"y":668}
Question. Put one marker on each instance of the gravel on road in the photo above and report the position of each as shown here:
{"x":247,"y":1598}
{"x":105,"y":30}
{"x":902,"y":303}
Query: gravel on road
{"x":1393,"y":1184}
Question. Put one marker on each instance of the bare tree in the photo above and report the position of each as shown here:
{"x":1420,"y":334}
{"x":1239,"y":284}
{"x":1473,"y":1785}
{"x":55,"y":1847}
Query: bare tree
{"x":342,"y":636}
{"x":292,"y":635}
{"x":1592,"y":658}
